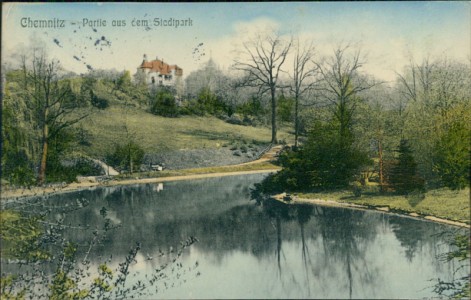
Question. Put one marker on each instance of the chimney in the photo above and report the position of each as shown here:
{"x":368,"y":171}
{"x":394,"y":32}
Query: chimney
{"x":145,"y":57}
{"x":156,"y":58}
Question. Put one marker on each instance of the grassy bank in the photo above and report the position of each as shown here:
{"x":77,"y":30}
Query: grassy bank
{"x":159,"y":134}
{"x":441,"y":203}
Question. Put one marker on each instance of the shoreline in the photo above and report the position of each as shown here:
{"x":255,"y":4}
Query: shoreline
{"x":384,"y":209}
{"x":16,"y":194}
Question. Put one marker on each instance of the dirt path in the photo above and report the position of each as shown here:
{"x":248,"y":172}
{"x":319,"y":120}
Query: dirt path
{"x":268,"y":156}
{"x":108,"y":169}
{"x":39,"y":191}
{"x":90,"y":181}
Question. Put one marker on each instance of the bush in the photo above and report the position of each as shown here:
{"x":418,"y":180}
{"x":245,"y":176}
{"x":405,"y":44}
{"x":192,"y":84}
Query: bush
{"x":97,"y":101}
{"x":452,"y":160}
{"x":252,"y":108}
{"x":357,"y":189}
{"x":235,"y":119}
{"x":83,"y":136}
{"x":126,"y":157}
{"x":164,"y":104}
{"x":18,"y":169}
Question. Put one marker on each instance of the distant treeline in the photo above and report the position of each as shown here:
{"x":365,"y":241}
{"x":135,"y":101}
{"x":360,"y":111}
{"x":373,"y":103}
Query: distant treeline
{"x":348,"y":127}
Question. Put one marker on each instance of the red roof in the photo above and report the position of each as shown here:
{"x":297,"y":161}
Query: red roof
{"x":161,"y":67}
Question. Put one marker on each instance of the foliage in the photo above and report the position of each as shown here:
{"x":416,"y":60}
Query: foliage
{"x":253,"y":108}
{"x":335,"y":160}
{"x":124,"y":82}
{"x":403,"y":176}
{"x":452,"y":156}
{"x":433,"y":94}
{"x":207,"y":102}
{"x":458,"y":288}
{"x":26,"y":237}
{"x":62,"y":285}
{"x":17,"y":159}
{"x":7,"y":288}
{"x":65,"y":168}
{"x":285,"y":109}
{"x":164,"y":104}
{"x":98,"y":101}
{"x":21,"y":237}
{"x":126,"y":156}
{"x":325,"y":161}
{"x":56,"y":171}
{"x":83,"y":136}
{"x":50,"y":99}
{"x":17,"y":168}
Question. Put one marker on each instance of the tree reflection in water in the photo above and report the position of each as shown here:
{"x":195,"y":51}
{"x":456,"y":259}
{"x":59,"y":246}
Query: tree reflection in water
{"x":272,"y":251}
{"x":344,"y":234}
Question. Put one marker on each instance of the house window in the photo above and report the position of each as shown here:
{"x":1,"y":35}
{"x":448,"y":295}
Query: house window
{"x":153,"y":79}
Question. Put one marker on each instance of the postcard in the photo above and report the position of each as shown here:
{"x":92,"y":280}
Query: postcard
{"x":235,"y":150}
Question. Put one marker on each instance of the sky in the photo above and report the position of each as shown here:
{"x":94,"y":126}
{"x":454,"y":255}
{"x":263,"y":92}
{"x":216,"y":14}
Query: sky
{"x":389,"y":34}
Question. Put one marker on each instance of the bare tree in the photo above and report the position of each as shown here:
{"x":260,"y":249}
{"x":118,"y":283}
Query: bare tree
{"x":341,"y":83}
{"x":49,"y":100}
{"x":303,"y":79}
{"x":262,"y":66}
{"x":432,"y":91}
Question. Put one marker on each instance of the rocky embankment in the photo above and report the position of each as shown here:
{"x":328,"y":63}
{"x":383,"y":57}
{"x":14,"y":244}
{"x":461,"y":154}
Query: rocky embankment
{"x":201,"y":158}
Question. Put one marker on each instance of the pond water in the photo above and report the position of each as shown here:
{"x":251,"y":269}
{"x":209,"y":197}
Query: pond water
{"x":249,"y":251}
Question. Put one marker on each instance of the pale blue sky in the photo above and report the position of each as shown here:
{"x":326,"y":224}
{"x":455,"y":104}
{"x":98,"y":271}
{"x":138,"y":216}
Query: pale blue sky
{"x":388,"y":32}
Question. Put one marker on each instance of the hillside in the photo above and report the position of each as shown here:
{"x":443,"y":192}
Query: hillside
{"x":195,"y":136}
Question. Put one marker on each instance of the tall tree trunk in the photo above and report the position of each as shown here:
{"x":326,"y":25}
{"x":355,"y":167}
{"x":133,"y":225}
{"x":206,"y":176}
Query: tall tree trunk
{"x":42,"y":167}
{"x":274,"y":140}
{"x":296,"y":121}
{"x":381,"y":166}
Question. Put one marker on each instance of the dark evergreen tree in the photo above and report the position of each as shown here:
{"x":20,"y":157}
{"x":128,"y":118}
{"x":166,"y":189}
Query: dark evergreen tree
{"x":325,"y":161}
{"x":403,"y":176}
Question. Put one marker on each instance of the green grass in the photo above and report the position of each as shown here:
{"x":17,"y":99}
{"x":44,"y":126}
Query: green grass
{"x":442,"y":203}
{"x":158,"y":134}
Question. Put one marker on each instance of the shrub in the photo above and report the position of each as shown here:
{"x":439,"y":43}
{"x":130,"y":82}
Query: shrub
{"x":235,"y":119}
{"x":452,"y":160}
{"x":17,"y":168}
{"x":357,"y":189}
{"x":164,"y":104}
{"x":128,"y":156}
{"x":98,"y":101}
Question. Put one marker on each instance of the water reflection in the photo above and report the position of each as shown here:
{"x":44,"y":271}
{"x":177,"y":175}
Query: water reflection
{"x":272,"y":251}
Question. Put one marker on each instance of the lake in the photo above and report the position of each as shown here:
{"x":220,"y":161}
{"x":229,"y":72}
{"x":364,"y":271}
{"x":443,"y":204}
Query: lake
{"x":248,"y":251}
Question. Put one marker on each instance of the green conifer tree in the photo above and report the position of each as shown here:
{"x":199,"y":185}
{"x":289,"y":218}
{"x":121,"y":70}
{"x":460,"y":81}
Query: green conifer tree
{"x":403,"y":177}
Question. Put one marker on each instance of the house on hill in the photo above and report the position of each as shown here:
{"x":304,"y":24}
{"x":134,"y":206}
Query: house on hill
{"x":159,"y":73}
